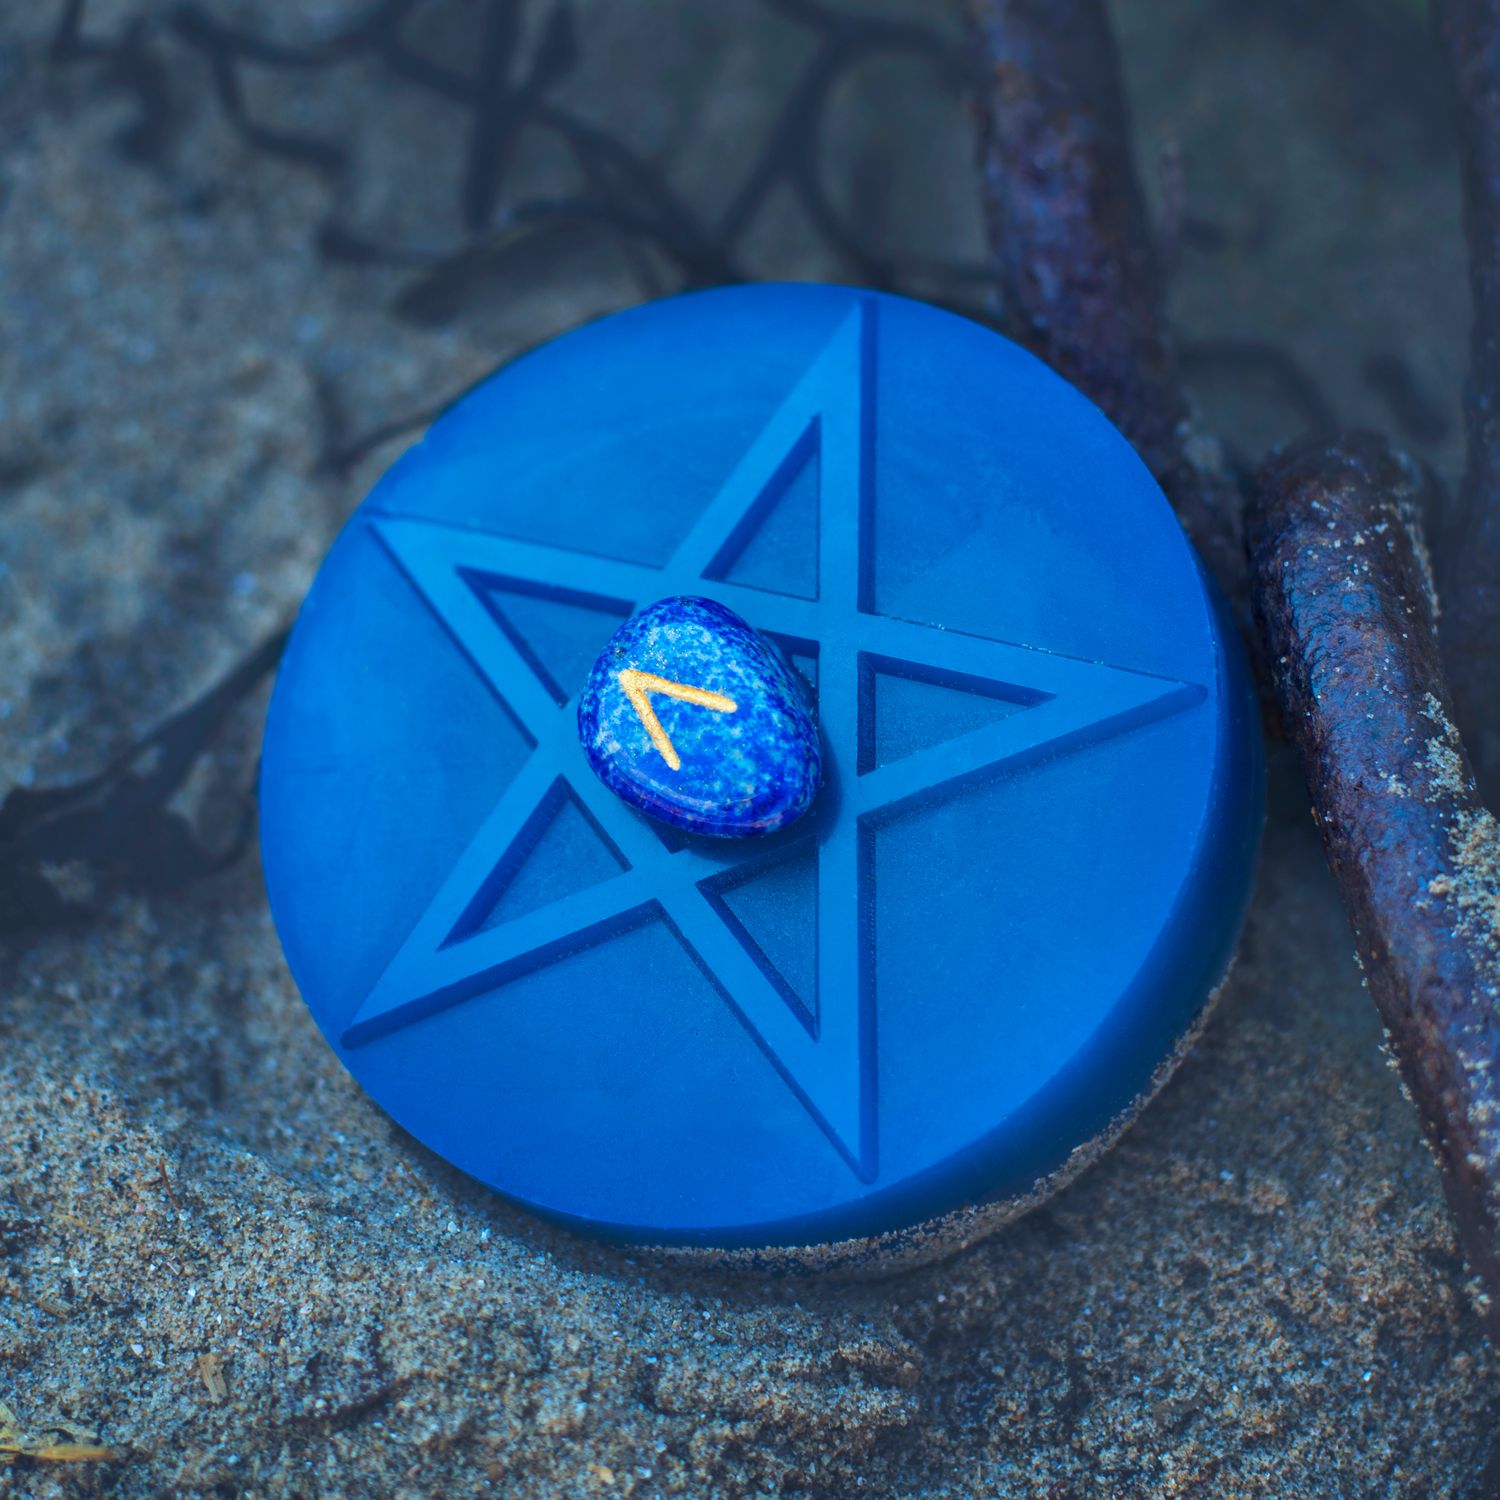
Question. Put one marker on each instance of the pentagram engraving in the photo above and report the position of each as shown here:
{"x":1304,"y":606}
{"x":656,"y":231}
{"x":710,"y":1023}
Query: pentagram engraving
{"x":824,"y":1049}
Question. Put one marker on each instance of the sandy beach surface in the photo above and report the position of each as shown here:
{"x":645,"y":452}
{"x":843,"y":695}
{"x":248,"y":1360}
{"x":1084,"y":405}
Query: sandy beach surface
{"x":223,"y":1264}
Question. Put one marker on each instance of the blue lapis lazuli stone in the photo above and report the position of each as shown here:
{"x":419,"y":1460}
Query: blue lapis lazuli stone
{"x":692,"y":716}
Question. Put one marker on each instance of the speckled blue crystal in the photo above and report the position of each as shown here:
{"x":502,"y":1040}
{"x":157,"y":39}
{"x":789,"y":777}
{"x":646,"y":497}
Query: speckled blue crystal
{"x":742,"y":772}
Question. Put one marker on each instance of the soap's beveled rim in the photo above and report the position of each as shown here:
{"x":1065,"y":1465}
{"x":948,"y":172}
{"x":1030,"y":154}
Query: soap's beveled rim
{"x":1225,"y":867}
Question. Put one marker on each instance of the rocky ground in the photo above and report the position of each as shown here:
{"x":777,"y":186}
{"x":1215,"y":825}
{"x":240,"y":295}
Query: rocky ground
{"x":217,"y":1260}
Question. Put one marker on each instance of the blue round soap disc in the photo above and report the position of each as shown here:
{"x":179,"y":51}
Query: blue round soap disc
{"x":1022,"y":878}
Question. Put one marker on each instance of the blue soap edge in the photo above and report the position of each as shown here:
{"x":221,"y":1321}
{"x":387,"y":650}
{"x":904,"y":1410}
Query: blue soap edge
{"x":972,"y":1178}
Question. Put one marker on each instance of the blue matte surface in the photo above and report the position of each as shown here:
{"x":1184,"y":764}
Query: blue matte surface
{"x":1028,"y":865}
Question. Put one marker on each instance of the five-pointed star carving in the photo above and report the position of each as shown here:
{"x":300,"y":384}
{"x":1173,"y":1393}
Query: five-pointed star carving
{"x":826,"y":1050}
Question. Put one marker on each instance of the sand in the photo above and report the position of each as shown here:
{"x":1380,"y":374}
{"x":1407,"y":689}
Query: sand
{"x":222,"y":1264}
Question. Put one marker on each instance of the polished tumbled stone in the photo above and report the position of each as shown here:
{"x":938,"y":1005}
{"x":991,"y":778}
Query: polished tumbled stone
{"x":692,"y":716}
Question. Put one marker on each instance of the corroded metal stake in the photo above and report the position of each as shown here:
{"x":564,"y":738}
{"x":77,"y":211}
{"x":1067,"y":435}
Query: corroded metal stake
{"x":1343,"y":591}
{"x":1069,"y":233}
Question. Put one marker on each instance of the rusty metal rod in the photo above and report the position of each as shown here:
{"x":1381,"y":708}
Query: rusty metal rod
{"x":1343,"y":592}
{"x":1081,"y":282}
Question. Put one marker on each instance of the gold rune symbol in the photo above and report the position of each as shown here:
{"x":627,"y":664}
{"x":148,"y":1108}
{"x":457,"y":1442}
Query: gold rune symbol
{"x":638,"y":688}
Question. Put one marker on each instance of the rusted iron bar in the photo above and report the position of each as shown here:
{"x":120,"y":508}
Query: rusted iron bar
{"x":1070,"y":235}
{"x":1343,"y":592}
{"x":1469,"y":31}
